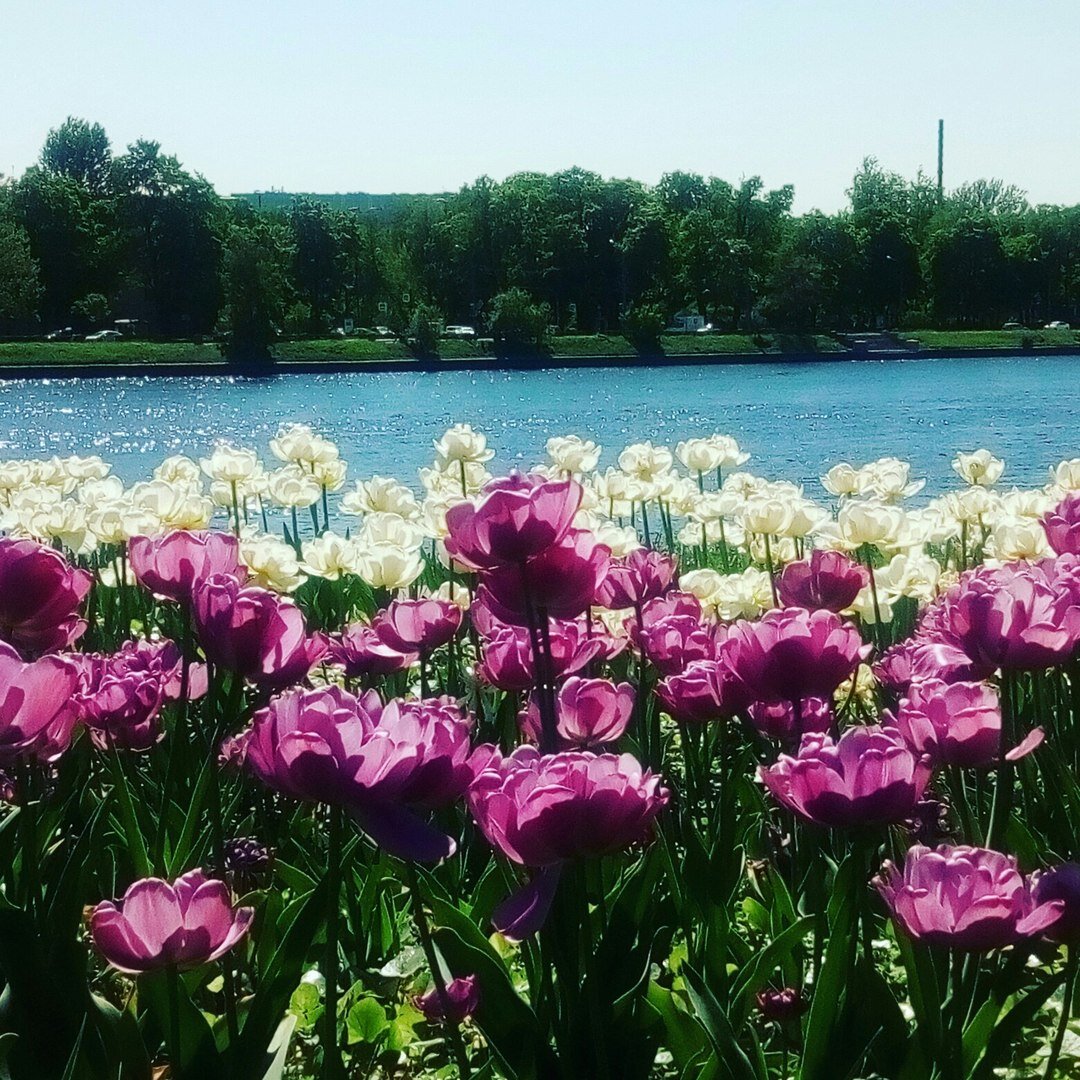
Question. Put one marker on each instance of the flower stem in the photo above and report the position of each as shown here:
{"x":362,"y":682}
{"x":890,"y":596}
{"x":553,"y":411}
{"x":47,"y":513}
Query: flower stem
{"x":331,"y":1050}
{"x":420,"y":918}
{"x":1072,"y":964}
{"x":172,"y":982}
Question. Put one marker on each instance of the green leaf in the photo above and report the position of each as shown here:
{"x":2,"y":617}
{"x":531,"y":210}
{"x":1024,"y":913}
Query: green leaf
{"x":733,"y":1061}
{"x":834,"y":975}
{"x":366,"y":1021}
{"x":306,"y":1005}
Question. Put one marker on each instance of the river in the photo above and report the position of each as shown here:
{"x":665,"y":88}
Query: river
{"x":794,"y":419}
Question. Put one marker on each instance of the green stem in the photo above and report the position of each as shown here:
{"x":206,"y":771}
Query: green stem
{"x":331,"y":1050}
{"x":420,"y":918}
{"x":1072,"y":964}
{"x":172,"y":982}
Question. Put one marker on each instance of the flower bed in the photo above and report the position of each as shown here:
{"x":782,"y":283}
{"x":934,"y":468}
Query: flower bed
{"x":666,"y":770}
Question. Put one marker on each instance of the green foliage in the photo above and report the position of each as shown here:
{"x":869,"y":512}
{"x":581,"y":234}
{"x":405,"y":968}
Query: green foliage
{"x":20,"y":282}
{"x":519,"y":323}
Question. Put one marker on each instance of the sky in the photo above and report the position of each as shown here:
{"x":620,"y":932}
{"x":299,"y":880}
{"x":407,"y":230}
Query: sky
{"x":425,"y":95}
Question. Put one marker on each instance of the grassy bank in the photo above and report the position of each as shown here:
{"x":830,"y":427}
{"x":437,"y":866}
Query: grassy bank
{"x":991,"y":339}
{"x":137,"y":354}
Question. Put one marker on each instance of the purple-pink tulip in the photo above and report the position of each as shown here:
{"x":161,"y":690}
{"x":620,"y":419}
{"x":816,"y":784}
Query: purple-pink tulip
{"x":964,"y":898}
{"x":364,"y":654}
{"x":869,"y":776}
{"x":1061,"y":884}
{"x":158,"y":925}
{"x":460,"y":1001}
{"x":674,"y":642}
{"x":1062,"y":525}
{"x":828,"y":580}
{"x":173,"y":564}
{"x":643,"y":575}
{"x":388,"y":765}
{"x":791,"y":653}
{"x":418,"y":626}
{"x":781,"y":1006}
{"x":703,"y":692}
{"x":37,"y":711}
{"x":955,"y":723}
{"x":789,"y":721}
{"x":40,"y":596}
{"x":561,"y":581}
{"x":1011,"y":617}
{"x":542,"y":810}
{"x":120,"y":696}
{"x":508,"y":657}
{"x":591,"y":712}
{"x":515,"y":519}
{"x":253,"y":632}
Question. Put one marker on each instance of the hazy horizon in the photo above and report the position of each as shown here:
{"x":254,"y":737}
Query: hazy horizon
{"x":346,"y":97}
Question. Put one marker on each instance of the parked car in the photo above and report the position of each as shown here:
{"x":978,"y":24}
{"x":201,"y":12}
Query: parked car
{"x":460,"y":331}
{"x":1012,"y":324}
{"x":384,"y":332}
{"x":706,"y":329}
{"x":105,"y":335}
{"x":67,"y":334}
{"x":1057,"y":324}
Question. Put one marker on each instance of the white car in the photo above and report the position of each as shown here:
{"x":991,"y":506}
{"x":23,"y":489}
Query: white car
{"x":105,"y":335}
{"x":1057,"y":324}
{"x":460,"y":331}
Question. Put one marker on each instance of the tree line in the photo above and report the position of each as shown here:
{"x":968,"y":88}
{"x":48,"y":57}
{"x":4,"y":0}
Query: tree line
{"x":88,"y":234}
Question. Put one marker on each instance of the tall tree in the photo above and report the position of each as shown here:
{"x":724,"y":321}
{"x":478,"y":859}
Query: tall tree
{"x":81,"y":152}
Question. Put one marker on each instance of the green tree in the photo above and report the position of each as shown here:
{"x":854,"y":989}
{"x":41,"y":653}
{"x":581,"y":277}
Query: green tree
{"x":170,"y":222}
{"x":519,"y":323}
{"x":79,"y":151}
{"x":255,"y":286}
{"x":20,"y":286}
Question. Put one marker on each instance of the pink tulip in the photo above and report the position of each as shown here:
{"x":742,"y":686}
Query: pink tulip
{"x":37,"y":713}
{"x":388,"y":765}
{"x":1011,"y":617}
{"x":508,"y":658}
{"x":828,"y":580}
{"x":590,"y":712}
{"x":363,"y":654}
{"x":173,"y":564}
{"x":418,"y":626}
{"x":120,"y":696}
{"x":1062,"y":525}
{"x":1061,"y":884}
{"x":158,"y":925}
{"x":673,"y":643}
{"x":40,"y":596}
{"x":791,"y":654}
{"x":964,"y":898}
{"x":781,"y":1006}
{"x":955,"y":723}
{"x":542,"y":810}
{"x":516,"y":518}
{"x":253,"y":632}
{"x":782,"y":720}
{"x":642,"y":575}
{"x":870,"y":776}
{"x":921,"y":658}
{"x":462,"y":999}
{"x":561,"y":581}
{"x":705,"y":691}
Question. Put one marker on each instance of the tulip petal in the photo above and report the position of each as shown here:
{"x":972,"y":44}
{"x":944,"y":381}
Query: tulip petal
{"x":402,"y":833}
{"x":522,"y":913}
{"x":1032,"y":742}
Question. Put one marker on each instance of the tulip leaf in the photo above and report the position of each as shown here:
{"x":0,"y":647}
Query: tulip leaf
{"x":834,"y":975}
{"x":734,"y":1062}
{"x":756,"y":974}
{"x":507,"y":1022}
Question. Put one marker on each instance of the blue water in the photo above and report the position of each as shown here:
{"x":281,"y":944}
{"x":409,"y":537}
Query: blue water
{"x":795,"y":420}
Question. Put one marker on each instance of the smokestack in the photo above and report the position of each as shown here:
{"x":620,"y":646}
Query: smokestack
{"x":940,"y":160}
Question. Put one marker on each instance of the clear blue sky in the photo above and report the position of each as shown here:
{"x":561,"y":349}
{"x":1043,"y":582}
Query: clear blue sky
{"x":423,"y":95}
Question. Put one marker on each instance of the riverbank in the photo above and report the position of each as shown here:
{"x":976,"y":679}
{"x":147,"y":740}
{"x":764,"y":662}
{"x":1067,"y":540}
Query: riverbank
{"x":94,"y":359}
